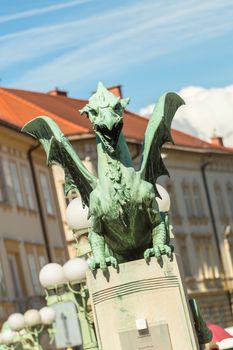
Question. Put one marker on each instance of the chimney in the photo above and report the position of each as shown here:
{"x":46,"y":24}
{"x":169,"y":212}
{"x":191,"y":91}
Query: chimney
{"x":216,"y":140}
{"x":116,"y":90}
{"x":58,"y":92}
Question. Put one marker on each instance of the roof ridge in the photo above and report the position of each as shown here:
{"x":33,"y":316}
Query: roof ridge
{"x":207,"y":143}
{"x":11,"y":90}
{"x":199,"y":139}
{"x":26,"y":102}
{"x":70,"y":98}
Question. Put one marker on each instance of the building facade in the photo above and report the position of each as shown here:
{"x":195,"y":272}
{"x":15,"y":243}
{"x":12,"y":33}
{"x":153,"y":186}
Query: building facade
{"x":200,"y":186}
{"x":31,"y":231}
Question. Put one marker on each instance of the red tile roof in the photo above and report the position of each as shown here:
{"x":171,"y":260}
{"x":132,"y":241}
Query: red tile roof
{"x":187,"y":140}
{"x":17,"y":107}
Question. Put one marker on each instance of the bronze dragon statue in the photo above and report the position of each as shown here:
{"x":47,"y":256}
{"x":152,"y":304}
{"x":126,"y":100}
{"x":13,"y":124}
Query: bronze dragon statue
{"x":126,"y":222}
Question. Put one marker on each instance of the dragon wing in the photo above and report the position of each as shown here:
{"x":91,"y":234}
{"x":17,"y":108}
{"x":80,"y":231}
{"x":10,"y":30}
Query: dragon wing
{"x":157,"y":133}
{"x":59,"y":151}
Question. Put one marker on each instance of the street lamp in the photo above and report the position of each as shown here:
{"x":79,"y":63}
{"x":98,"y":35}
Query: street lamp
{"x":47,"y":315}
{"x":9,"y":340}
{"x":34,"y":329}
{"x":32,"y":318}
{"x":51,"y":276}
{"x":30,"y":326}
{"x":77,"y":216}
{"x":164,"y":202}
{"x":78,"y":222}
{"x":67,"y":283}
{"x":75,"y":270}
{"x":16,"y":322}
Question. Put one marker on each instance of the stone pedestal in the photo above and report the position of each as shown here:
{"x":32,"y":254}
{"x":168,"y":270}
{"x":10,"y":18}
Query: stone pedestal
{"x":142,"y":307}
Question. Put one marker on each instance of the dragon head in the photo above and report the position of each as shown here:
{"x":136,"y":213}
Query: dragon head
{"x":105,"y":111}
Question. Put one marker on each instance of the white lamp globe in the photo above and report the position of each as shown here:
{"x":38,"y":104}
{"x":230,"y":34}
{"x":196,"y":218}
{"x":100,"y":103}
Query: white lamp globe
{"x":8,"y":336}
{"x":76,"y":215}
{"x":47,"y":315}
{"x":164,"y":202}
{"x":75,"y":270}
{"x":51,"y":276}
{"x":16,"y":322}
{"x":32,"y":318}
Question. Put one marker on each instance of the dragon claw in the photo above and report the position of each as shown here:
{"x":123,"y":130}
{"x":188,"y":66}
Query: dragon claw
{"x":113,"y":261}
{"x":169,"y":250}
{"x":102,"y":263}
{"x":92,"y":264}
{"x":158,"y":251}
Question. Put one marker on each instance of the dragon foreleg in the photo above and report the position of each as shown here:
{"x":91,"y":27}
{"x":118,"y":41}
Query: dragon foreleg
{"x":160,"y":234}
{"x":102,"y":255}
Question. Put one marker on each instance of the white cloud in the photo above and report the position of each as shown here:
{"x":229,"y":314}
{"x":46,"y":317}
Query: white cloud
{"x":206,"y":110}
{"x":40,"y":10}
{"x":111,"y":41}
{"x":72,"y":36}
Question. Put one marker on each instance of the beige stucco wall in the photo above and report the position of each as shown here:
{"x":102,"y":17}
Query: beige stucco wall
{"x":20,"y":227}
{"x":213,"y":292}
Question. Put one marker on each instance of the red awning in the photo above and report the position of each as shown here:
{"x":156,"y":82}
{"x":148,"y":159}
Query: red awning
{"x":218,"y":332}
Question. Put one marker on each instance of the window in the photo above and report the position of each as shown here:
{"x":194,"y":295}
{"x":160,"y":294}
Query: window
{"x":188,"y":201}
{"x":27,"y":187}
{"x":220,"y":202}
{"x":198,"y":201}
{"x":46,"y":193}
{"x":34,"y":273}
{"x":16,"y":184}
{"x":42,"y":261}
{"x":15,"y":273}
{"x":174,"y":206}
{"x":231,"y":250}
{"x":3,"y":184}
{"x":184,"y":256}
{"x":3,"y":292}
{"x":230,"y":197}
{"x":208,"y":267}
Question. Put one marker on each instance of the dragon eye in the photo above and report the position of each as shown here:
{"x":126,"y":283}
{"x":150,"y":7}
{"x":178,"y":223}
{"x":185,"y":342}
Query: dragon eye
{"x":117,"y":108}
{"x":93,"y":112}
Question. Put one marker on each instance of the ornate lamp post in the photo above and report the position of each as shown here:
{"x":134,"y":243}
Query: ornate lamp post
{"x":67,"y":283}
{"x":30,"y":326}
{"x":9,"y":340}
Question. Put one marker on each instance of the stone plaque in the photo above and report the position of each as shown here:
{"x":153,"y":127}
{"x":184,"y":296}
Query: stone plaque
{"x":67,"y":328}
{"x":155,"y":338}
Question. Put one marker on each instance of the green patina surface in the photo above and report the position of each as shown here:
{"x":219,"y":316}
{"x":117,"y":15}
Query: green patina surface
{"x":204,"y":334}
{"x":126,"y":222}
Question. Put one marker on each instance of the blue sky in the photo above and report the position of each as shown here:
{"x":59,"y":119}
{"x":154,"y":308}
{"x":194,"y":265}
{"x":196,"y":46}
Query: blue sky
{"x":147,"y":46}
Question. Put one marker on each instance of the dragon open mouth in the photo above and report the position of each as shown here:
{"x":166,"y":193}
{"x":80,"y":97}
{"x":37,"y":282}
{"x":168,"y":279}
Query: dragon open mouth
{"x":109,"y":137}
